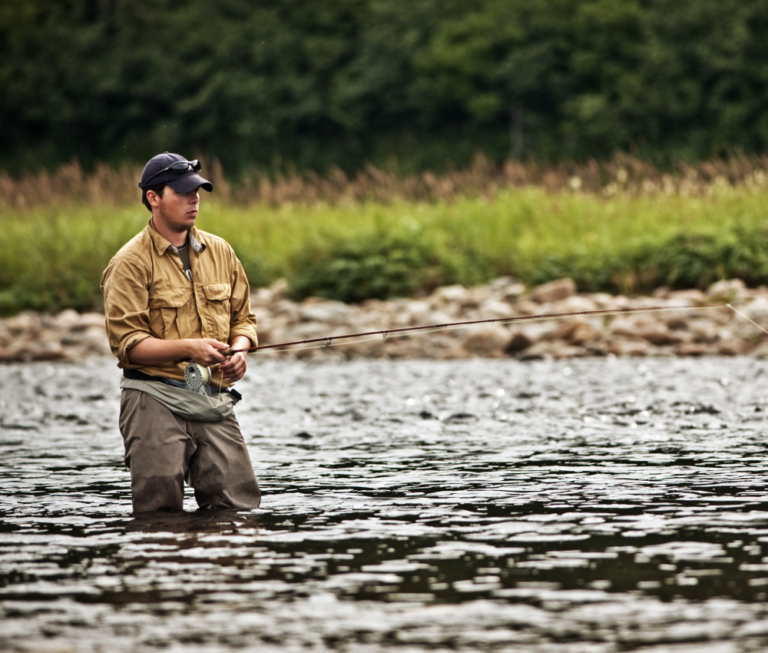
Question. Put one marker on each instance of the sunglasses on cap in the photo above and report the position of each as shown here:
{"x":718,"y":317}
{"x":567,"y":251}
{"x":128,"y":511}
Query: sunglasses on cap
{"x":179,"y":167}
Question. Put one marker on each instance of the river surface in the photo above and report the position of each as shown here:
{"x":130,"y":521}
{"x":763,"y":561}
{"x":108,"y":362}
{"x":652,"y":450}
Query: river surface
{"x":586,"y":506}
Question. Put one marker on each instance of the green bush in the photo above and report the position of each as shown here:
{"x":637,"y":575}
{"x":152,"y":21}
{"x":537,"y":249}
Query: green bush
{"x":380,"y":265}
{"x":692,"y":260}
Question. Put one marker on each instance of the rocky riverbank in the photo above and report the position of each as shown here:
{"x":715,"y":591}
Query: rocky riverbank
{"x":693,"y":330}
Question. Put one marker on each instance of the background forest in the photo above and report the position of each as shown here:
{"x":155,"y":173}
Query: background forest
{"x":270,"y":85}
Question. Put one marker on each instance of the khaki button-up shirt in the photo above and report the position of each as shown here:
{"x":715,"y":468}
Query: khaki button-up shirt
{"x":147,"y":294}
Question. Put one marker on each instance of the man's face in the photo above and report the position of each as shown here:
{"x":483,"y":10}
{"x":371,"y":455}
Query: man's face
{"x":178,"y":211}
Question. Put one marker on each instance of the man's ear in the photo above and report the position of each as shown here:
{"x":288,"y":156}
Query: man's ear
{"x":153,"y":198}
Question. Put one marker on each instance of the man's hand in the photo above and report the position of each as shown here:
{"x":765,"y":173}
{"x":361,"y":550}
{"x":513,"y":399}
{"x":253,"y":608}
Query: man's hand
{"x":234,"y":368}
{"x":205,"y":351}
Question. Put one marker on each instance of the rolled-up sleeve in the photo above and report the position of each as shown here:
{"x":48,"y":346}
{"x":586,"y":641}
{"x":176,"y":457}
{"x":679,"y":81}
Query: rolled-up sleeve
{"x":125,"y":286}
{"x":243,"y":321}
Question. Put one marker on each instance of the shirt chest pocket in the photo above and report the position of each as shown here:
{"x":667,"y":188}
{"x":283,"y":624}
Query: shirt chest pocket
{"x":217,"y":296}
{"x":164,"y":305}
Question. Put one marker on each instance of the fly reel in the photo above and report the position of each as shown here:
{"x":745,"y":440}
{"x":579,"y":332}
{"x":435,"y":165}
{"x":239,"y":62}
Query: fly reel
{"x":197,"y":376}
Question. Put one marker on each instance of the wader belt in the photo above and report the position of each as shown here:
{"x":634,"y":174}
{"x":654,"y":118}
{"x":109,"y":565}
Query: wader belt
{"x":136,"y":375}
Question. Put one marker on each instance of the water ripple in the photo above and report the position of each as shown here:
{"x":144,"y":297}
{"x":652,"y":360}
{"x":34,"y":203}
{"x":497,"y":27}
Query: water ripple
{"x":595,"y":506}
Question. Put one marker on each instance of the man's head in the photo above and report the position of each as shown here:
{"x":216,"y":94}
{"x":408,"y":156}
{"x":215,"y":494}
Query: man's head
{"x":171,"y":170}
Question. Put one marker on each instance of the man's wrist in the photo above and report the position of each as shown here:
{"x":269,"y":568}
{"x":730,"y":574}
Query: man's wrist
{"x":240,"y":342}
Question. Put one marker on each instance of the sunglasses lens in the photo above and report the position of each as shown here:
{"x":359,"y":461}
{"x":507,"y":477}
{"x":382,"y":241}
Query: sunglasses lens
{"x":196,"y":165}
{"x":179,"y":166}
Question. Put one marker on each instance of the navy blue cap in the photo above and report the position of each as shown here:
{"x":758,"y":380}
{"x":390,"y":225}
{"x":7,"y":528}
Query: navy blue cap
{"x":183,"y":182}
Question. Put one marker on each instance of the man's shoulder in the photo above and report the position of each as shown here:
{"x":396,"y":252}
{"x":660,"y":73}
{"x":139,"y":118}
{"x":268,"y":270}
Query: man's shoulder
{"x":215,"y":242}
{"x":133,"y":258}
{"x":137,"y":248}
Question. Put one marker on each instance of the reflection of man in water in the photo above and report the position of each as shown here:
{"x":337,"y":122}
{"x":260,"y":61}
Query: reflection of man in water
{"x":171,"y":294}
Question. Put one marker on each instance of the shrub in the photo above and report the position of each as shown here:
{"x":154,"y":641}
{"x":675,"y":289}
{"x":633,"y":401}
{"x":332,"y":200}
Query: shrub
{"x":382,"y":265}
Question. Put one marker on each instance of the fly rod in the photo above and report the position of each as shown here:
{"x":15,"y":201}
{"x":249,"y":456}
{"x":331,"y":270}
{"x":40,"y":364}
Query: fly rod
{"x":351,"y":338}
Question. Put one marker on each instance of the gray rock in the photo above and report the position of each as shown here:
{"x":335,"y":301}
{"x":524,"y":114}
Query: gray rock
{"x":455,"y":293}
{"x":687,"y":297}
{"x":554,"y":291}
{"x":628,"y":348}
{"x":327,"y":311}
{"x":67,"y":319}
{"x":519,"y":342}
{"x":731,"y":290}
{"x":489,"y":341}
{"x":659,"y":335}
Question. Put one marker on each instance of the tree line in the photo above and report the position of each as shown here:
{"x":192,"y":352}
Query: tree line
{"x":426,"y":83}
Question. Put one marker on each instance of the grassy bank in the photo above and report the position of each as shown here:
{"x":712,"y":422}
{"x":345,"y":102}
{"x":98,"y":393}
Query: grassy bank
{"x":52,"y":257}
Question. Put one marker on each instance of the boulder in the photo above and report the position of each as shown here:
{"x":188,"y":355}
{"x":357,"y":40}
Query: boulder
{"x":519,"y":342}
{"x":627,"y":348}
{"x":728,"y":291}
{"x":261,"y":297}
{"x":507,"y":288}
{"x":24,"y":323}
{"x":629,"y":327}
{"x":757,"y":310}
{"x":324,"y":310}
{"x":555,"y":349}
{"x":575,"y":332}
{"x":456,"y":293}
{"x":690,"y":349}
{"x":492,"y":309}
{"x":732,"y":347}
{"x":659,"y":335}
{"x":761,"y":351}
{"x":677,"y":324}
{"x":88,"y":320}
{"x":95,"y":340}
{"x":67,"y":319}
{"x":687,"y":297}
{"x":50,"y":350}
{"x":575,"y":304}
{"x":554,"y":291}
{"x":489,"y":341}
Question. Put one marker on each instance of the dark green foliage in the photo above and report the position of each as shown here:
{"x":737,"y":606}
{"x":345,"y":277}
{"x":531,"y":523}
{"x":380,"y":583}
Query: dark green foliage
{"x":316,"y":84}
{"x":684,"y":261}
{"x":382,"y":266}
{"x":375,"y":267}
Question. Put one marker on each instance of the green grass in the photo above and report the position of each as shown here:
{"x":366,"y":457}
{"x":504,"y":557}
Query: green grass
{"x":52,"y":258}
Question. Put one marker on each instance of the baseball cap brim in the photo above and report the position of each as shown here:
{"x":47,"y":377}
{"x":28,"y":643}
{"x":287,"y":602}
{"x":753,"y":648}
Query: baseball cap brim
{"x":189,"y":183}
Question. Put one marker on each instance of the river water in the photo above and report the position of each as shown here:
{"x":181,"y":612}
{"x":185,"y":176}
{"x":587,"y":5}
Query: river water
{"x":585,"y":506}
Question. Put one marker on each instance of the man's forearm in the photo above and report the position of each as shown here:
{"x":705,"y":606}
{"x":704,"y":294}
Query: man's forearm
{"x":205,"y":351}
{"x":153,"y":351}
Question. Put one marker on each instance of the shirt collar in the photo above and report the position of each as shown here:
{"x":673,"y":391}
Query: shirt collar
{"x":162,"y":245}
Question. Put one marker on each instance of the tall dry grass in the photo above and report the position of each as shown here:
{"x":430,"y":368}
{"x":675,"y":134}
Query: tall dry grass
{"x":623,"y":175}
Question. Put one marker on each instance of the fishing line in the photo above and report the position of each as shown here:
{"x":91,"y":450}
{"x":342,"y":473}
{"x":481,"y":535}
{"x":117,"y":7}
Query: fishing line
{"x":747,"y":318}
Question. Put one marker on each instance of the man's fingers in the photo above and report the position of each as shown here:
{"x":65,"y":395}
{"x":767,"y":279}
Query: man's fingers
{"x":228,"y":364}
{"x":234,"y":368}
{"x":217,"y":356}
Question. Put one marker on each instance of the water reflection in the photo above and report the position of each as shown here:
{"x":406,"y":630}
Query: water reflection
{"x":482,"y":505}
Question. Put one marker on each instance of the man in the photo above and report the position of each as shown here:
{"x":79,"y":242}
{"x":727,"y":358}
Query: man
{"x":174,"y":294}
